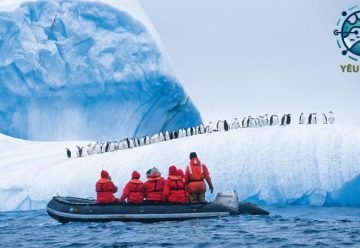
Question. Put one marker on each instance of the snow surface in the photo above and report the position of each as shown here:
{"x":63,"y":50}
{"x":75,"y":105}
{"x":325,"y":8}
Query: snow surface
{"x":301,"y":165}
{"x":85,"y":70}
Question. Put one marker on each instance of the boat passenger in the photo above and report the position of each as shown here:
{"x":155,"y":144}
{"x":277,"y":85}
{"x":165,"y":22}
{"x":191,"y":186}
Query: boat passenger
{"x":181,"y":175}
{"x":105,"y":189}
{"x":134,"y":190}
{"x":195,"y":174}
{"x":154,"y":186}
{"x":174,"y":188}
{"x":148,"y":172}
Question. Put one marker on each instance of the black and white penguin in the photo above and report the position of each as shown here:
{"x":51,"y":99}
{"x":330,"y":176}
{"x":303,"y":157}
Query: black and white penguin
{"x":266,"y":120}
{"x":136,"y":142}
{"x":288,"y":119}
{"x":142,"y":141}
{"x":244,"y":122}
{"x":220,"y":126}
{"x":331,"y":118}
{"x":79,"y":151}
{"x":89,"y":149}
{"x":161,"y":137}
{"x":235,"y":124}
{"x":210,"y":127}
{"x":274,"y":120}
{"x":226,"y":126}
{"x":167,"y":136}
{"x":283,"y":120}
{"x":128,"y":143}
{"x":201,"y":129}
{"x":107,"y":146}
{"x":68,"y":152}
{"x":248,"y":121}
{"x":175,"y":134}
{"x":324,"y":119}
{"x":302,"y":119}
{"x":193,"y":131}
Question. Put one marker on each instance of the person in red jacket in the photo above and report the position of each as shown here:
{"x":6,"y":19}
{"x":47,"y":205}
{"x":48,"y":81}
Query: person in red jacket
{"x":174,"y":188}
{"x":105,"y":189}
{"x":195,"y":174}
{"x":134,"y":190}
{"x":154,"y":186}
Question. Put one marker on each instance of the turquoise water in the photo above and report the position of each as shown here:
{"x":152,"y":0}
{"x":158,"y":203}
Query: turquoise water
{"x":288,"y":226}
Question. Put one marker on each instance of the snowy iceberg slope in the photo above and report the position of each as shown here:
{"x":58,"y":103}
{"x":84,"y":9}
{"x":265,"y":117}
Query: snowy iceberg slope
{"x":307,"y":165}
{"x":85,"y":70}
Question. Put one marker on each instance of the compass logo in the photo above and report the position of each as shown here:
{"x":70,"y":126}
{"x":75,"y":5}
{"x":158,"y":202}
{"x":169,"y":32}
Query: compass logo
{"x":348,"y":32}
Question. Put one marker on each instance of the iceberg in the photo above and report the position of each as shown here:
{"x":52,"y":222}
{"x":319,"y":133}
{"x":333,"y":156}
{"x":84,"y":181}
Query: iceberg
{"x":297,"y":165}
{"x":85,"y":70}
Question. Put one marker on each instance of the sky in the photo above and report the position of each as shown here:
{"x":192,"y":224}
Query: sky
{"x":237,"y":58}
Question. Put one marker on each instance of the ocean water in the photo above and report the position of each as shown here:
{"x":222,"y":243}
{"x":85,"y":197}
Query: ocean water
{"x":287,"y":226}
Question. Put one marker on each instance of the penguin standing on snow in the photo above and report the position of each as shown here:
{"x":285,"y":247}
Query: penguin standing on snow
{"x":288,"y":119}
{"x":68,"y":152}
{"x":235,"y":124}
{"x":107,"y":146}
{"x":266,"y":120}
{"x":167,"y":136}
{"x":274,"y":120}
{"x":80,"y":150}
{"x":244,"y":122}
{"x":302,"y":119}
{"x":324,"y":119}
{"x":220,"y":126}
{"x":283,"y":120}
{"x":331,"y":118}
{"x":312,"y":118}
{"x":226,"y":126}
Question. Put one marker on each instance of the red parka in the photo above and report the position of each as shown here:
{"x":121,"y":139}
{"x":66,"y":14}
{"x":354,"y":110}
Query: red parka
{"x":195,"y":174}
{"x":105,"y":189}
{"x":174,"y":188}
{"x":134,"y":190}
{"x":154,"y":187}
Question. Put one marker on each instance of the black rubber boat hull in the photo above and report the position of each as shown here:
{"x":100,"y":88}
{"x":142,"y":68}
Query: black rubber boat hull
{"x":66,"y":209}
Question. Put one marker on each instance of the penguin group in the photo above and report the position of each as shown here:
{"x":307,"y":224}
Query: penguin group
{"x":221,"y":126}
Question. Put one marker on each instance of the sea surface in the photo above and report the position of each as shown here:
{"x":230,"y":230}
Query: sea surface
{"x":287,"y":226}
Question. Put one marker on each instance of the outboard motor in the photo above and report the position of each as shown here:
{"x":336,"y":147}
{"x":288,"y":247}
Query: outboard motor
{"x":229,"y":199}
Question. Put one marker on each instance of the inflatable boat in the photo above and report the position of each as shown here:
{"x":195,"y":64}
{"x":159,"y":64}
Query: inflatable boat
{"x":66,"y":209}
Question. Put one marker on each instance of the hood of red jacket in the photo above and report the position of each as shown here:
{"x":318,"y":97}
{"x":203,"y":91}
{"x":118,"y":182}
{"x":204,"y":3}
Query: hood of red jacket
{"x":135,"y":175}
{"x":195,"y":161}
{"x":104,"y":174}
{"x":180,"y":173}
{"x":173,"y":171}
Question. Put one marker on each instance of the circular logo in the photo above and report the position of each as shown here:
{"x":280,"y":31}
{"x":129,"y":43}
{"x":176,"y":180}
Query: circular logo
{"x":348,"y":33}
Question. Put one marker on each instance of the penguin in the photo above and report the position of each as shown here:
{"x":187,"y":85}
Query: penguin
{"x":302,"y":118}
{"x":314,"y":119}
{"x":211,"y":127}
{"x":252,"y":122}
{"x":68,"y":152}
{"x":220,"y":126}
{"x":274,"y":120}
{"x":266,"y":120}
{"x":260,"y":121}
{"x":188,"y":132}
{"x":331,"y":118}
{"x":89,"y":149}
{"x":194,"y":131}
{"x":257,"y":122}
{"x":288,"y":119}
{"x":136,"y":142}
{"x":175,"y":134}
{"x":248,"y":122}
{"x":283,"y":120}
{"x":244,"y":122}
{"x":226,"y":126}
{"x":201,"y":129}
{"x":161,"y":137}
{"x":171,"y":135}
{"x":147,"y":140}
{"x":80,"y":150}
{"x":128,"y":143}
{"x":142,"y":141}
{"x":107,"y":146}
{"x":324,"y":119}
{"x":310,"y":118}
{"x":235,"y":124}
{"x":167,"y":136}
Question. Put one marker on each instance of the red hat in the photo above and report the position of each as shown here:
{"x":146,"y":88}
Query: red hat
{"x":135,"y":175}
{"x":173,"y":171}
{"x":180,"y":173}
{"x":104,"y":174}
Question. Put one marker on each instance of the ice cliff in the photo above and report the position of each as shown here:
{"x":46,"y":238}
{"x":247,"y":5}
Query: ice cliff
{"x":89,"y":70}
{"x":301,"y":165}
